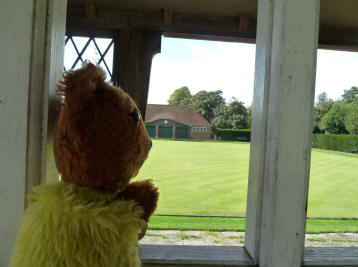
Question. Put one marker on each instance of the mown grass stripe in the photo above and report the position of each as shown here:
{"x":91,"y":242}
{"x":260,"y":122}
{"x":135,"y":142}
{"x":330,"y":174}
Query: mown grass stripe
{"x":314,"y":226}
{"x":210,"y":178}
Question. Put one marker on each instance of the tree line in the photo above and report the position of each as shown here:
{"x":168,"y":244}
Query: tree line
{"x":339,"y":116}
{"x":329,"y":116}
{"x":213,"y":107}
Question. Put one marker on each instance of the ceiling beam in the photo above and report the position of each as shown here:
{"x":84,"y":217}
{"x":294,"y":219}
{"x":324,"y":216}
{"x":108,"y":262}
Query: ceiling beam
{"x":108,"y":21}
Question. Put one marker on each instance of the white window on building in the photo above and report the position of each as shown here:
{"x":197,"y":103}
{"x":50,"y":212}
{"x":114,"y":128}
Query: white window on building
{"x":200,"y":129}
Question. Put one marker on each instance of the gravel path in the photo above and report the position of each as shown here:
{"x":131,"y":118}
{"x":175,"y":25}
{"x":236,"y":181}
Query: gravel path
{"x":170,"y":237}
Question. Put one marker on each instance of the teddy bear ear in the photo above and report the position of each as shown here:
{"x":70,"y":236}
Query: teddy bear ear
{"x":78,"y":86}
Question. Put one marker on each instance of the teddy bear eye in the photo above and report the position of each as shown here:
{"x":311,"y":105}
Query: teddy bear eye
{"x":135,"y":116}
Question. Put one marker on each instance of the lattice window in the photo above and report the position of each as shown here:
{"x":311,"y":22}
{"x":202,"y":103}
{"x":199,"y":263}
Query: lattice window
{"x":96,"y":50}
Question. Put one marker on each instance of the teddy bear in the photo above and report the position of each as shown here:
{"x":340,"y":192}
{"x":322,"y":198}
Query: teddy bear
{"x":94,"y":214}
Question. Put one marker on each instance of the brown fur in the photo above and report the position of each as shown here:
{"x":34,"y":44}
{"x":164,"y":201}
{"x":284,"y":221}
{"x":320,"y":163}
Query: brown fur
{"x":96,"y":143}
{"x":145,"y":194}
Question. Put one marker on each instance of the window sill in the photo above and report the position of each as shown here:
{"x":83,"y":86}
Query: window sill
{"x":170,"y":255}
{"x":331,"y":256}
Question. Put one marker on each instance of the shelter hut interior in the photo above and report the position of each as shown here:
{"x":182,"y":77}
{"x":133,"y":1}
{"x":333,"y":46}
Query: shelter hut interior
{"x":287,"y":34}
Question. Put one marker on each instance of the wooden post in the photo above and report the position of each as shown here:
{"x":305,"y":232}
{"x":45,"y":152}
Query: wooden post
{"x":156,"y":130}
{"x":133,"y":53}
{"x":173,"y":133}
{"x":32,"y":43}
{"x":287,"y":36}
{"x":53,"y":70}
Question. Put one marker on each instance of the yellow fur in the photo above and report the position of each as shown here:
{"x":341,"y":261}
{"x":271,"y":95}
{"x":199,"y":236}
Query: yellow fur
{"x":70,"y":226}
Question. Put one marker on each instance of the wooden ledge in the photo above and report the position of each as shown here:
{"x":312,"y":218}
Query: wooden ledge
{"x":331,"y":256}
{"x":168,"y":255}
{"x":210,"y":256}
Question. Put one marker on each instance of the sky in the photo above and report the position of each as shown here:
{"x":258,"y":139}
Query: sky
{"x":228,"y":66}
{"x":212,"y":65}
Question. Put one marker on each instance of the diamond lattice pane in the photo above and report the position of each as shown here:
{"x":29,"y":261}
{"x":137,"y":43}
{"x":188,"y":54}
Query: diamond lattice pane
{"x":102,"y":43}
{"x":70,"y":55}
{"x":103,"y":66}
{"x":96,"y":50}
{"x":91,"y":53}
{"x":108,"y":58}
{"x":80,"y":42}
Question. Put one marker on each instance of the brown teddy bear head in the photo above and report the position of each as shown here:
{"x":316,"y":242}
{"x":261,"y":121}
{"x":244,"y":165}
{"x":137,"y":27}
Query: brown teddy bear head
{"x":100,"y":139}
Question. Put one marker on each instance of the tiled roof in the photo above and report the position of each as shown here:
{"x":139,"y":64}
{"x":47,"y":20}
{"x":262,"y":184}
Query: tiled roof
{"x":182,"y":114}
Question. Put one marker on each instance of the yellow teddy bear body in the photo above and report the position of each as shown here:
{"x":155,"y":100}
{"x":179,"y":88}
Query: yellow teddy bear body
{"x":67,"y":225}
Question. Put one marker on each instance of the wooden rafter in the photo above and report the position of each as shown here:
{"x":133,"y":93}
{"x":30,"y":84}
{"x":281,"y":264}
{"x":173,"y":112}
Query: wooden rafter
{"x":133,"y":53}
{"x":235,"y":28}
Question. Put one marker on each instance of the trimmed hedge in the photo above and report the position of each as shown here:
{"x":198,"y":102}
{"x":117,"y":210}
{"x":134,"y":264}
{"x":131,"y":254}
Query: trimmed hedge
{"x":232,"y":135}
{"x":336,"y":142}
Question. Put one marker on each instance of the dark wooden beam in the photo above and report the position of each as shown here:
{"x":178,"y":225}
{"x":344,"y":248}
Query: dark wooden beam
{"x":168,"y":16}
{"x":335,"y":38}
{"x":90,"y":32}
{"x":207,"y":37}
{"x":192,"y":26}
{"x":133,"y":53}
{"x":111,"y":19}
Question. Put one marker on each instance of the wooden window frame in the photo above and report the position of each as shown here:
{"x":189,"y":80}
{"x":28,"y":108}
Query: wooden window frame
{"x":286,"y":51}
{"x":274,"y":74}
{"x":279,"y":166}
{"x":32,"y":64}
{"x":210,"y":256}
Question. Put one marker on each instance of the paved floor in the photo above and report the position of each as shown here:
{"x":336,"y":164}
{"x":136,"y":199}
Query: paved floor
{"x":170,"y":237}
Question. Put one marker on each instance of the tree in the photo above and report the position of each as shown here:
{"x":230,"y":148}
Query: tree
{"x":352,"y":117}
{"x":350,"y":95}
{"x":221,"y":118}
{"x":205,"y":103}
{"x":211,"y":105}
{"x":181,"y":96}
{"x":232,"y":116}
{"x":323,"y":105}
{"x":238,"y":113}
{"x":249,"y":116}
{"x":334,"y":120}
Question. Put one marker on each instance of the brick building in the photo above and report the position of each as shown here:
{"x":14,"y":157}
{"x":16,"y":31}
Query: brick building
{"x":180,"y":122}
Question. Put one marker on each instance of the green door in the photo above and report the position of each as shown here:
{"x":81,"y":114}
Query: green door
{"x":150,"y":130}
{"x":165,"y":131}
{"x":181,"y":132}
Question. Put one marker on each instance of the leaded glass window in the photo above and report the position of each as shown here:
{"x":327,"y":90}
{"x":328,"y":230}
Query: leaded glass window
{"x":96,"y":50}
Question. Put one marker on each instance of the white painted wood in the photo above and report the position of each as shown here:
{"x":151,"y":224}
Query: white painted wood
{"x":34,"y":161}
{"x":281,"y":135}
{"x":194,"y":255}
{"x":177,"y":256}
{"x":15,"y":54}
{"x":339,"y":257}
{"x":27,"y":35}
{"x":258,"y":128}
{"x":46,"y":70}
{"x":53,"y":72}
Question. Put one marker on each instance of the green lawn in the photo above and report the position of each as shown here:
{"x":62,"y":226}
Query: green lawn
{"x":238,"y":224}
{"x":210,"y":178}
